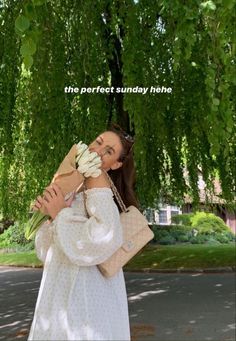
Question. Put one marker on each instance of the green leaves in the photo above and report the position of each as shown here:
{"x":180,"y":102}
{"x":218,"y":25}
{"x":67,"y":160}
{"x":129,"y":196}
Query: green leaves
{"x":26,"y":26}
{"x":28,"y":47}
{"x":208,"y":5}
{"x":189,"y":47}
{"x":27,"y":50}
{"x":228,"y":3}
{"x":38,"y":2}
{"x":216,"y":101}
{"x":28,"y":61}
{"x":21,"y":24}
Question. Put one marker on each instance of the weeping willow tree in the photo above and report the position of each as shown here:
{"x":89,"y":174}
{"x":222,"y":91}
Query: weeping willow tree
{"x":46,"y":46}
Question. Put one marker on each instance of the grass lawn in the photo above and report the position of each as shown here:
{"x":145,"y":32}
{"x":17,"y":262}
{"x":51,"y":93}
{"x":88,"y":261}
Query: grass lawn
{"x":27,"y":258}
{"x":188,"y":256}
{"x":154,"y":257}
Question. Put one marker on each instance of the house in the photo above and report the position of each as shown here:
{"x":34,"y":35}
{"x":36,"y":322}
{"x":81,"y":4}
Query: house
{"x":212,"y":202}
{"x":208,"y":202}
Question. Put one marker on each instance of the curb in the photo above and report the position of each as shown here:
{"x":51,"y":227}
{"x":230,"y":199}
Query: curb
{"x":207,"y":270}
{"x":228,"y":269}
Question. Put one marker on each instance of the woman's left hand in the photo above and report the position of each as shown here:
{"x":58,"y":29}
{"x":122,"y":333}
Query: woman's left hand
{"x":54,"y":201}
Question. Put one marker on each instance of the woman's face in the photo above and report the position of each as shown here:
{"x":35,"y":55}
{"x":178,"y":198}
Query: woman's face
{"x":109,"y":148}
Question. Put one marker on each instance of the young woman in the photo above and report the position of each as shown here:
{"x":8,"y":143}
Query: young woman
{"x":75,"y":301}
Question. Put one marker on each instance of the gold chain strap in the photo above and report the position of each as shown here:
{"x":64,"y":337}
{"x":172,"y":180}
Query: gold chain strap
{"x":114,"y":190}
{"x":116,"y":193}
{"x":84,"y":195}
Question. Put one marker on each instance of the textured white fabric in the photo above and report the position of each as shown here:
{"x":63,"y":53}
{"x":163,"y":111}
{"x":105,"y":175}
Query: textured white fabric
{"x":75,"y":301}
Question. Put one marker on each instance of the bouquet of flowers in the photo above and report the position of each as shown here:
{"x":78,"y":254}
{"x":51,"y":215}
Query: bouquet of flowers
{"x":77,"y":165}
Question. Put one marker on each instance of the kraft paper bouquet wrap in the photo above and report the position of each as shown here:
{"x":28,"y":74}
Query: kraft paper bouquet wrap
{"x":77,"y":165}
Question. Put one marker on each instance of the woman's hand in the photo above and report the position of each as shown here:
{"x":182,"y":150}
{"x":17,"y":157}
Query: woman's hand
{"x":52,"y":201}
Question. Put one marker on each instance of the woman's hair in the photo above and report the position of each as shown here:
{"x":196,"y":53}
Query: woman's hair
{"x":124,"y":177}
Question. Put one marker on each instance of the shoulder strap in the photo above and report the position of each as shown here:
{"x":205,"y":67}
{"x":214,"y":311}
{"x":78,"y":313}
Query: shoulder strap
{"x":116,"y":193}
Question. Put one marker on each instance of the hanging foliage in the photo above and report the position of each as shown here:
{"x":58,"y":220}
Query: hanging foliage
{"x":46,"y":46}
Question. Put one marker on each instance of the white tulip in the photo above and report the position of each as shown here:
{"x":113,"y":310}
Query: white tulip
{"x":90,"y":173}
{"x":96,"y":173}
{"x":78,"y":157}
{"x":81,"y":147}
{"x":93,"y":156}
{"x":79,"y":144}
{"x":82,"y":169}
{"x":88,"y":162}
{"x":97,"y":159}
{"x":84,"y":158}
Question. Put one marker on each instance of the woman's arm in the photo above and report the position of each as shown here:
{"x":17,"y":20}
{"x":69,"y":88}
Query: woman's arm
{"x":87,"y":241}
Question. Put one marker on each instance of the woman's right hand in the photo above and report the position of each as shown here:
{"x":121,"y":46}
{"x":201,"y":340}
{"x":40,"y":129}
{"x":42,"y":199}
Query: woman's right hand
{"x":39,"y":205}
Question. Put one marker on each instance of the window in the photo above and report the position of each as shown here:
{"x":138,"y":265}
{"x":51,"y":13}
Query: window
{"x":163,"y":217}
{"x":174,"y":213}
{"x":149,"y":214}
{"x":165,"y":213}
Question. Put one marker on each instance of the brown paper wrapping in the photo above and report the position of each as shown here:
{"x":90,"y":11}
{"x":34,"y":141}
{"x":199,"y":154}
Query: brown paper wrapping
{"x":67,"y":177}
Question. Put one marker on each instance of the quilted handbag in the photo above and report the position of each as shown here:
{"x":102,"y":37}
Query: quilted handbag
{"x":136,"y":234}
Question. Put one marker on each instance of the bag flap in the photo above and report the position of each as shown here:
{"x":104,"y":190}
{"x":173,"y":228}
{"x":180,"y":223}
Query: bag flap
{"x":132,"y":221}
{"x":146,"y":234}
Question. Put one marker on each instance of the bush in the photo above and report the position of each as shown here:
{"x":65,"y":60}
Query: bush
{"x":13,"y":236}
{"x":168,"y":240}
{"x":5,"y":238}
{"x":180,"y":233}
{"x":207,"y":223}
{"x":184,"y":219}
{"x":205,"y":232}
{"x":159,"y":233}
{"x":230,"y":235}
{"x":183,"y":238}
{"x":224,"y":237}
{"x":171,"y":232}
{"x":211,"y":241}
{"x":199,"y":239}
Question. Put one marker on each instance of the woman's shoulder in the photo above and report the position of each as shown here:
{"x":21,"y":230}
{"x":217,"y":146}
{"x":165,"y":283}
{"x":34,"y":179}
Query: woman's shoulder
{"x":100,"y":181}
{"x":98,"y":190}
{"x":95,"y":190}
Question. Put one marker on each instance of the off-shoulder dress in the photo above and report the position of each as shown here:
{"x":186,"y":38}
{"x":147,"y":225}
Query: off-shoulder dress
{"x":75,"y":301}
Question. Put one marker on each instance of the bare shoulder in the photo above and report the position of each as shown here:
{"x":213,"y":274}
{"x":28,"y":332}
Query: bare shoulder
{"x":98,"y":182}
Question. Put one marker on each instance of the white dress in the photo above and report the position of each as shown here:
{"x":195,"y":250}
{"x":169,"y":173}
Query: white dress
{"x":75,"y":301}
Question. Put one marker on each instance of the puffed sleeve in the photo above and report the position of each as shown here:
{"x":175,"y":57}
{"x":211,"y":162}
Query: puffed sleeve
{"x":87,"y":241}
{"x":43,"y":240}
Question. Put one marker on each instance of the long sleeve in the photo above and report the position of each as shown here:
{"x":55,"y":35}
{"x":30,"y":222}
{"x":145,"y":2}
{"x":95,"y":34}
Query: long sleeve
{"x":43,"y":240}
{"x":87,"y":241}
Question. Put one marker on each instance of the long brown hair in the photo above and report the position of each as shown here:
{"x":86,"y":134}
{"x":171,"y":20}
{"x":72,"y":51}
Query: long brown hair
{"x":124,"y":177}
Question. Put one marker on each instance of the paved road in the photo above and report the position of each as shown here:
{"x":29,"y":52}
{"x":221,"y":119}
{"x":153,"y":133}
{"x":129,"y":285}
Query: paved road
{"x":162,"y":307}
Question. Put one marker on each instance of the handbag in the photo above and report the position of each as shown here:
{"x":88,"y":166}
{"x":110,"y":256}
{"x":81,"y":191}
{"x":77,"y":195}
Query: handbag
{"x":136,"y":234}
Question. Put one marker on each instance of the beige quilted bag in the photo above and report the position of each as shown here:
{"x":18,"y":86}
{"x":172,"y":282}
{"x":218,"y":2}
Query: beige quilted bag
{"x":136,"y":234}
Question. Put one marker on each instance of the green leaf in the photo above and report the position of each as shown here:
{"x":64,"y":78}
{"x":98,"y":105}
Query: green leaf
{"x":216,"y":101}
{"x":35,"y":34}
{"x":208,"y":5}
{"x":30,"y":11}
{"x":22,"y":23}
{"x":228,"y":3}
{"x":28,"y":48}
{"x":28,"y":61}
{"x":38,"y":2}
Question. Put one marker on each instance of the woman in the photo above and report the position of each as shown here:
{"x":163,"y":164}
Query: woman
{"x":75,"y":301}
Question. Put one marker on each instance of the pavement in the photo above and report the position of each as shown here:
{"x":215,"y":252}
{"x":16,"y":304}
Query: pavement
{"x":177,"y":306}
